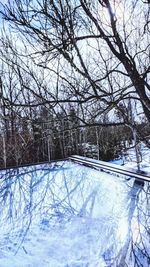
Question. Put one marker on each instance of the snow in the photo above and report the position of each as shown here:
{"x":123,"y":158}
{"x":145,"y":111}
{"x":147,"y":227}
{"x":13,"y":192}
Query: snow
{"x":66,"y":215}
{"x":139,"y":249}
{"x":129,"y":160}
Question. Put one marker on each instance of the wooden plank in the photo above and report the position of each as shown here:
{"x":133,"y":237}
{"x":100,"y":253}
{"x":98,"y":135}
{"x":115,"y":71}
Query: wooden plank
{"x":107,"y":166}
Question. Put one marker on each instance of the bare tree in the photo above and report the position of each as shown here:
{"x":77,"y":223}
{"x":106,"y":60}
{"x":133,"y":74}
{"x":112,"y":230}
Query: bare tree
{"x":88,"y":55}
{"x":62,"y":30}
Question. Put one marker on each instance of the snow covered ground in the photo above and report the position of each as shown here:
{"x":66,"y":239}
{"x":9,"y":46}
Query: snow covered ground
{"x":66,"y":215}
{"x":130,"y":159}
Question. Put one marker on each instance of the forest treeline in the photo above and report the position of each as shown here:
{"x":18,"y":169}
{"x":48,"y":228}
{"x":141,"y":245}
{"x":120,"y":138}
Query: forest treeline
{"x":51,"y":136}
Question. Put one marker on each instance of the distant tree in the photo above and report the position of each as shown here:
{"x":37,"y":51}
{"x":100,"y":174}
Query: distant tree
{"x":127,"y":113}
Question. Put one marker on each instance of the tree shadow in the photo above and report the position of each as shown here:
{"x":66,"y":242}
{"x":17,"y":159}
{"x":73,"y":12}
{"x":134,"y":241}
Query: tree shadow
{"x":110,"y":214}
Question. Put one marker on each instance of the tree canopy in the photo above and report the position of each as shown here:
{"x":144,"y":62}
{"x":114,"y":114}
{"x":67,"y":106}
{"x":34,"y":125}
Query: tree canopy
{"x":79,"y":52}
